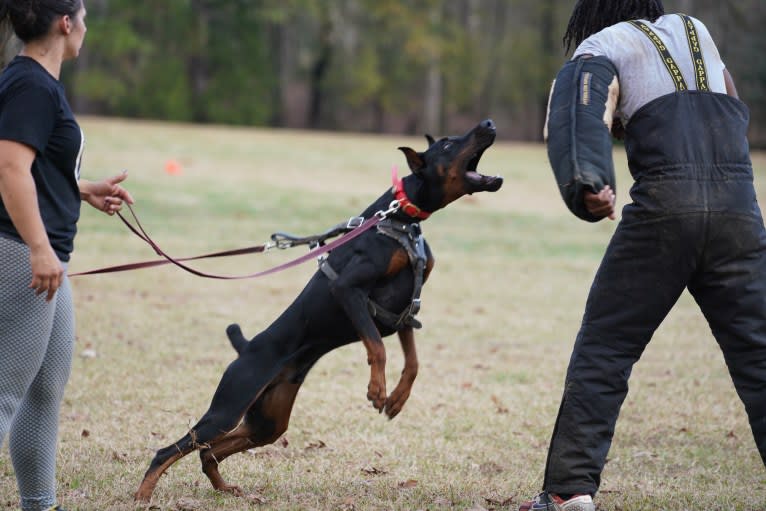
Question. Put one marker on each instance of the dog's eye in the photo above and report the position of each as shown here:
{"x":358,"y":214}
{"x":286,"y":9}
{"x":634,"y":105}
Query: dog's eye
{"x":447,"y":145}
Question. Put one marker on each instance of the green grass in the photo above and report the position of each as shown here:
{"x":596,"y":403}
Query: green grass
{"x":500,"y":314}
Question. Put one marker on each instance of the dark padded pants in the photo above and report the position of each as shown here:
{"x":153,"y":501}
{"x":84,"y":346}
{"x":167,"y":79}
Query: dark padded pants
{"x":721,"y":258}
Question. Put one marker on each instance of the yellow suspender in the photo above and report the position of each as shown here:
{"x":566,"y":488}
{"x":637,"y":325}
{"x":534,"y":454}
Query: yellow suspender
{"x":700,"y":72}
{"x":675,"y":72}
{"x":694,"y":47}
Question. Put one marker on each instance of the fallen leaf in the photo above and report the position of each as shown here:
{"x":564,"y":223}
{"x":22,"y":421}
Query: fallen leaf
{"x":500,"y":407}
{"x":369,"y":469}
{"x":409,"y":483}
{"x":85,"y":433}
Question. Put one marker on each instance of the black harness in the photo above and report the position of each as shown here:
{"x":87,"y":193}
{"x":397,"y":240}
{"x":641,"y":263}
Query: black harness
{"x":411,"y":239}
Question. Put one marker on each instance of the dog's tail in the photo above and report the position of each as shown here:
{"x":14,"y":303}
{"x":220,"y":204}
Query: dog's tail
{"x":237,"y":340}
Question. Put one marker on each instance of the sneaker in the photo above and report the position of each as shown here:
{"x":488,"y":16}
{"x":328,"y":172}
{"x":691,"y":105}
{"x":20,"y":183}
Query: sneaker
{"x":551,"y":502}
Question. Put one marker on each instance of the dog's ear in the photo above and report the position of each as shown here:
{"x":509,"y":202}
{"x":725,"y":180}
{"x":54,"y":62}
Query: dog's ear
{"x":414,"y":159}
{"x":430,"y":140}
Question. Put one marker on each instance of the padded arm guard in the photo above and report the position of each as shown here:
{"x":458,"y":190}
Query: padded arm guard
{"x":581,"y":108}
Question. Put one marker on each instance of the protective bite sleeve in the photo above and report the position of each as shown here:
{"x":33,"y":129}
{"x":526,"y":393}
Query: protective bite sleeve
{"x":581,"y":108}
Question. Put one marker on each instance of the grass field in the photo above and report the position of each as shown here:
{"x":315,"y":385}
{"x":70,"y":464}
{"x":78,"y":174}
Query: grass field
{"x":500,"y":314}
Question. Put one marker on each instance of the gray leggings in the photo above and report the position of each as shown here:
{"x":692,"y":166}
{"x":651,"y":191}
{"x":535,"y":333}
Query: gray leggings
{"x":36,"y":343}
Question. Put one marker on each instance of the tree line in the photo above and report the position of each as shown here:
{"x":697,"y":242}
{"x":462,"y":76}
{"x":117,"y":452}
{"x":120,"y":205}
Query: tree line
{"x":407,"y":66}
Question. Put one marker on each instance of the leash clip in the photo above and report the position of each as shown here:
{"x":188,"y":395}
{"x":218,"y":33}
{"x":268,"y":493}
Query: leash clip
{"x":281,"y":241}
{"x":392,"y":208}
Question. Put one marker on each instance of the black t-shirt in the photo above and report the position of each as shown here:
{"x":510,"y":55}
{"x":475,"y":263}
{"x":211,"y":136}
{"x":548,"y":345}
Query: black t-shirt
{"x":35,"y":112}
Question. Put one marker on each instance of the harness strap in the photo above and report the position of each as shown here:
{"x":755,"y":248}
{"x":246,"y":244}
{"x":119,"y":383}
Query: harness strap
{"x":411,"y":238}
{"x":670,"y":63}
{"x":700,"y":71}
{"x":327,"y":270}
{"x":285,"y":240}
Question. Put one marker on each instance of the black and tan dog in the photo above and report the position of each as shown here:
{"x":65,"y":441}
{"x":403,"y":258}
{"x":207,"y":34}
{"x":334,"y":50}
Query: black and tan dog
{"x":365,"y":290}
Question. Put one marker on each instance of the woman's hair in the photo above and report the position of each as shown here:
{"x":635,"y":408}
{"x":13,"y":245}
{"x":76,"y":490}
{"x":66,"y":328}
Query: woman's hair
{"x":591,"y":16}
{"x":32,"y":19}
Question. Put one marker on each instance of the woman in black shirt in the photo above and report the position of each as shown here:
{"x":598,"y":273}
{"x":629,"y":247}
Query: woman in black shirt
{"x":41,"y":147}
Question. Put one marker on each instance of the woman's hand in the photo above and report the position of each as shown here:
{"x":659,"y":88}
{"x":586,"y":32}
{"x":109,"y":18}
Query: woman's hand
{"x":47,"y":271}
{"x":106,"y":195}
{"x":17,"y":189}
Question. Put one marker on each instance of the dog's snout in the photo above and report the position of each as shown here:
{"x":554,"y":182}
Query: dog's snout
{"x":488,"y":124}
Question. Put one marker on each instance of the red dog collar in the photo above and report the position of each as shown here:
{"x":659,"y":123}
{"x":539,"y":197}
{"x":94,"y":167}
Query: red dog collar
{"x":405,"y":204}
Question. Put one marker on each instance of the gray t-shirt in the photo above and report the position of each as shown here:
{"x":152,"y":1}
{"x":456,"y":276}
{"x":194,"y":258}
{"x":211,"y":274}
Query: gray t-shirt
{"x":643,"y":74}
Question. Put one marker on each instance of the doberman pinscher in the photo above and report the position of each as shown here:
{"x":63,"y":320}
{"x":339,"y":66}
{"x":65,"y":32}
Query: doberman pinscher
{"x":350,"y":298}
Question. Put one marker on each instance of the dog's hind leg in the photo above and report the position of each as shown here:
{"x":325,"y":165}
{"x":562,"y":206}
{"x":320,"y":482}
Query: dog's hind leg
{"x":217,"y":453}
{"x":265,"y":421}
{"x":241,"y":384}
{"x":162,"y":461}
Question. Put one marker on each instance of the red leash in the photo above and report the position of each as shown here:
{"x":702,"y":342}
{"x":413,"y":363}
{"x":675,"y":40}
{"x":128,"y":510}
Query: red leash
{"x":141,"y":233}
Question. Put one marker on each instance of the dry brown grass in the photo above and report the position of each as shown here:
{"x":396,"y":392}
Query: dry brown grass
{"x":500,"y":313}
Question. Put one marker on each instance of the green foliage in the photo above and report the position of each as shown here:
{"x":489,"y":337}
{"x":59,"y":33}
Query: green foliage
{"x":200,"y":60}
{"x":357,"y":64}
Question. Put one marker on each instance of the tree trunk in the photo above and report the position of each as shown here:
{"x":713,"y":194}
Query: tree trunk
{"x":197,"y":61}
{"x":432,"y":103}
{"x":319,"y":71}
{"x":9,"y":43}
{"x":280,"y":43}
{"x":548,"y":43}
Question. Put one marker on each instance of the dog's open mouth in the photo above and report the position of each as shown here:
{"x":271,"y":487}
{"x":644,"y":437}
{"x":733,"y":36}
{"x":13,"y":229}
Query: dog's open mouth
{"x":479,"y":182}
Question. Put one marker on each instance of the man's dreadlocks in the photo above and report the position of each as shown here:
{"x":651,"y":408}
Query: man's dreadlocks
{"x":591,"y":16}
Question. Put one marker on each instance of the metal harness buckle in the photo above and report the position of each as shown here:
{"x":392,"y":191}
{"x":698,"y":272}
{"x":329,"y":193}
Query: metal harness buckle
{"x":354,"y":222}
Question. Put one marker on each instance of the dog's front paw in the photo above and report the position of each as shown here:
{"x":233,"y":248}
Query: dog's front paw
{"x":376,"y":393}
{"x":396,"y":400}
